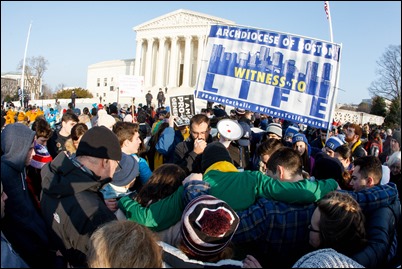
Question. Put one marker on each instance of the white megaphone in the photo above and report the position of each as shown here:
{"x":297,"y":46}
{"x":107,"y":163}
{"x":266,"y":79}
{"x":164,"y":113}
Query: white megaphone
{"x":229,"y":130}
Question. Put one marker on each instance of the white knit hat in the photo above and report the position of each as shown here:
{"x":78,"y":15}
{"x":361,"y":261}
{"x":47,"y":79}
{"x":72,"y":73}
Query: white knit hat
{"x":128,"y":118}
{"x":106,"y":120}
{"x":326,"y":258}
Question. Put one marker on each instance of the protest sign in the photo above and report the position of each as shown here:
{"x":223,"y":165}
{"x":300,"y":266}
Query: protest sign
{"x":183,"y":107}
{"x":131,"y":86}
{"x":278,"y":74}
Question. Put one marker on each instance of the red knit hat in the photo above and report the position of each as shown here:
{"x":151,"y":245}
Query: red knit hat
{"x":41,"y":156}
{"x":208,"y":225}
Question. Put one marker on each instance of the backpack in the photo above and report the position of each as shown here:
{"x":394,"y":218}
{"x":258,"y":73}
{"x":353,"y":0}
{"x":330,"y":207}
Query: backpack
{"x":374,"y":149}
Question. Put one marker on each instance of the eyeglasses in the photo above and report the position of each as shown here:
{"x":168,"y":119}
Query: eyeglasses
{"x":310,"y":228}
{"x":200,"y":133}
{"x":118,"y":168}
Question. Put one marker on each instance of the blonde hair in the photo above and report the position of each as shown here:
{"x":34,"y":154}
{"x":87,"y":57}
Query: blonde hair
{"x":124,"y":244}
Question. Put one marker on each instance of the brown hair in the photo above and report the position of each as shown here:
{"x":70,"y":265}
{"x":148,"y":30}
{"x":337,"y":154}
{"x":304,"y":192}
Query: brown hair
{"x":69,"y":115}
{"x":341,"y":223}
{"x":124,"y":244}
{"x":78,"y":130}
{"x":164,"y":181}
{"x":269,"y":146}
{"x":198,"y":119}
{"x":288,"y":158}
{"x":125,"y":130}
{"x":358,"y":129}
{"x":42,"y":128}
{"x":370,"y":166}
{"x":344,"y":151}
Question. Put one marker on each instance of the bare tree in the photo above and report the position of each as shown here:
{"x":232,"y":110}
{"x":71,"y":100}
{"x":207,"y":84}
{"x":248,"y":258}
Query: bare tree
{"x":60,"y":87}
{"x":35,"y":68}
{"x":47,"y":92}
{"x":8,"y":89}
{"x":388,"y":85}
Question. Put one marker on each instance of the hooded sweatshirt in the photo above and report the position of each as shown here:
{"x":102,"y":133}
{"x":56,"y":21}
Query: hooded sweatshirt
{"x":73,"y":206}
{"x":23,"y":225}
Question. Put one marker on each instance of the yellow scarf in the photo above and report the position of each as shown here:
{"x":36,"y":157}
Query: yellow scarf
{"x":223,"y":166}
{"x":356,"y":145}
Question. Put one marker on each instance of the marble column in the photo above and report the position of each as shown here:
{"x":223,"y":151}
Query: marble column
{"x":148,"y":63}
{"x":160,"y":74}
{"x":138,"y":58}
{"x":173,"y":62}
{"x":187,"y":62}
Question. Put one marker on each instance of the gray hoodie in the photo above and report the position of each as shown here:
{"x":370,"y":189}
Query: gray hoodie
{"x":22,"y":225}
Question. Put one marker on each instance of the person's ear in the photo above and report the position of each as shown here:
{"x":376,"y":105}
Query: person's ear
{"x":370,"y":181}
{"x":125,"y":143}
{"x":280,"y":171}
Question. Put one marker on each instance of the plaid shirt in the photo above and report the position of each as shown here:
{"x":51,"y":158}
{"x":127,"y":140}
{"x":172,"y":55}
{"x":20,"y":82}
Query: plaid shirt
{"x":282,"y":227}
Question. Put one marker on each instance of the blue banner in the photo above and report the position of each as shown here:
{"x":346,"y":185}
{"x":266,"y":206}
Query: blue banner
{"x":273,"y":73}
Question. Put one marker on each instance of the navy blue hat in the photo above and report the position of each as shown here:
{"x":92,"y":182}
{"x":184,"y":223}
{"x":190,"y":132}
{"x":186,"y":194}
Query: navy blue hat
{"x":334,"y":142}
{"x":299,"y":137}
{"x":220,"y":113}
{"x":291,"y":131}
{"x":127,"y":173}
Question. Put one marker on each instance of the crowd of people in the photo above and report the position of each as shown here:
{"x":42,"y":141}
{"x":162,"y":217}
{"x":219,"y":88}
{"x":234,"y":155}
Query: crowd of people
{"x":125,"y":186}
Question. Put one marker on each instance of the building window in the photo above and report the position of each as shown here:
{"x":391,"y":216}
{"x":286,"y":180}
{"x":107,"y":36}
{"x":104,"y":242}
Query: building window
{"x":98,"y":82}
{"x":104,"y":94}
{"x":111,"y":80}
{"x":111,"y":88}
{"x":105,"y":81}
{"x":97,"y":94}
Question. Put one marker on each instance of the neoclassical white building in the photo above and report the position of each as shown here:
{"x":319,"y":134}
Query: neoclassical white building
{"x":168,"y":54}
{"x":102,"y":78}
{"x":169,"y":48}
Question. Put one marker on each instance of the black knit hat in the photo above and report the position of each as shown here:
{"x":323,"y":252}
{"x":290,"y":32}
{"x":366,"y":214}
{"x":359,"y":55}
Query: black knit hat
{"x":213,"y":153}
{"x":100,"y":142}
{"x":327,"y":167}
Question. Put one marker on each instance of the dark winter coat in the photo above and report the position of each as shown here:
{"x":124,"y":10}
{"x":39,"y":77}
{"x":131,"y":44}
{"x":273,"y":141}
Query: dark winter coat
{"x":186,"y":158}
{"x":72,"y":206}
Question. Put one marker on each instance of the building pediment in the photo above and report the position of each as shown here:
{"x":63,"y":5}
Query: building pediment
{"x":181,"y":17}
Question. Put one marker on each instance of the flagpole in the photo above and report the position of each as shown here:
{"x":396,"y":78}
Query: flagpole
{"x":23,"y":63}
{"x":328,"y":12}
